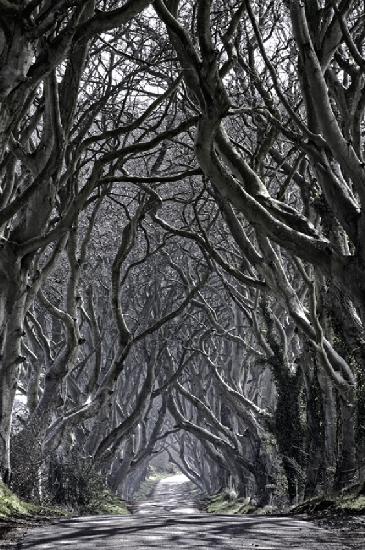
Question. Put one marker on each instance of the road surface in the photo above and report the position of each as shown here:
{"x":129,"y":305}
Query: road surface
{"x":169,"y":520}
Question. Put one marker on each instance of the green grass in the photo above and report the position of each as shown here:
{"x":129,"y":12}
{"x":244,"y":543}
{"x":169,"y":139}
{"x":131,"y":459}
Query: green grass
{"x":223,"y":504}
{"x":12,"y":506}
{"x":105,"y":504}
{"x":324,"y":505}
{"x":355,"y":505}
{"x":349,"y":504}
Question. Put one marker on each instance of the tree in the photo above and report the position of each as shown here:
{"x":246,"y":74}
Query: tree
{"x":181,"y":262}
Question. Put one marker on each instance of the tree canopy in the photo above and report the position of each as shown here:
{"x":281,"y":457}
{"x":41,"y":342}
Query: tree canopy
{"x":182,"y":261}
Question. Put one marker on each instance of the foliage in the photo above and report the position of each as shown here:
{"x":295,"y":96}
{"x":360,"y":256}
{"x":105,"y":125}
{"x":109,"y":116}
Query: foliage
{"x":74,"y":482}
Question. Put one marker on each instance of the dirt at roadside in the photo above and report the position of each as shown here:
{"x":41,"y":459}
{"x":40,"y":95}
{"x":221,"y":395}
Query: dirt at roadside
{"x":349,"y":529}
{"x":13,"y":531}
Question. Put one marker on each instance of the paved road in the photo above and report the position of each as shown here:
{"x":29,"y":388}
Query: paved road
{"x":169,"y":520}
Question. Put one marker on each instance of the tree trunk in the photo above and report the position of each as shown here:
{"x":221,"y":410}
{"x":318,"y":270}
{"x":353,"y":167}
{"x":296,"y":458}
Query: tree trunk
{"x":315,"y":447}
{"x":9,"y":372}
{"x":347,"y":465}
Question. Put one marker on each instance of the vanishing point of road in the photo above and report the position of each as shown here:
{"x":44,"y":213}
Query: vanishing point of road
{"x":169,"y":520}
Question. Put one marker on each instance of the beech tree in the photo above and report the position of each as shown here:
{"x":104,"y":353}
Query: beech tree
{"x":181,"y":256}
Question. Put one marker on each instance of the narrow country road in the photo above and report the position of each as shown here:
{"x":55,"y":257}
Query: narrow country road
{"x":169,"y":520}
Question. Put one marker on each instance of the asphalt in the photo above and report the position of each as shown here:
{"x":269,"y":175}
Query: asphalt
{"x":170,"y":520}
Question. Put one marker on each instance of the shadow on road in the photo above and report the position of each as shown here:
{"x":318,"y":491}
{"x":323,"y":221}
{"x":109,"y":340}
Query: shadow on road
{"x":183,"y":531}
{"x":161,"y":523}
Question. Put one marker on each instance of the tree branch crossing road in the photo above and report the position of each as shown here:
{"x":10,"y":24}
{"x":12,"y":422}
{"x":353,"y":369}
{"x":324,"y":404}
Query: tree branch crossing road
{"x":169,"y":520}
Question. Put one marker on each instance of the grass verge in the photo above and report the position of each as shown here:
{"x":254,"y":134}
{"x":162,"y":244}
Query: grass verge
{"x":12,"y":507}
{"x":106,"y":504}
{"x":17,"y":516}
{"x":352,"y":504}
{"x":224,"y":503}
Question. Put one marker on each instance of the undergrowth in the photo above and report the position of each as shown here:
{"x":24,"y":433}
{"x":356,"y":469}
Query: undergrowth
{"x":223,"y":503}
{"x":105,"y":504}
{"x":339,"y":504}
{"x":12,"y":507}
